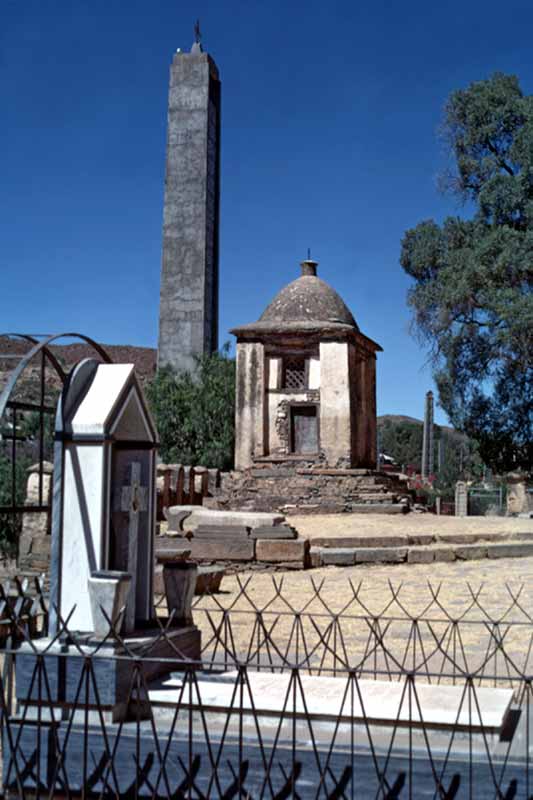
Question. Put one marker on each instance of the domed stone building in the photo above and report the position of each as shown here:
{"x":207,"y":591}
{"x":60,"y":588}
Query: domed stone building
{"x":306,"y":381}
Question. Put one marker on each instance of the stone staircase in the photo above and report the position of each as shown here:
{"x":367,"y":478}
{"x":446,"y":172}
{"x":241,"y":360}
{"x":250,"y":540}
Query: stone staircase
{"x":300,"y":488}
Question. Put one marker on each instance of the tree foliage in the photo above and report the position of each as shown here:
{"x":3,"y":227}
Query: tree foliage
{"x":195,"y":412}
{"x":472,"y":299}
{"x":402,"y":439}
{"x":10,"y":524}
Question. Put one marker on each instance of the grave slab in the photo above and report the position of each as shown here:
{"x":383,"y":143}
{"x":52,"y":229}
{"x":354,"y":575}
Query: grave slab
{"x":444,"y":707}
{"x":250,"y":519}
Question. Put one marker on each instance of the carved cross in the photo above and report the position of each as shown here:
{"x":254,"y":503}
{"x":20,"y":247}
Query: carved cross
{"x":133,"y":500}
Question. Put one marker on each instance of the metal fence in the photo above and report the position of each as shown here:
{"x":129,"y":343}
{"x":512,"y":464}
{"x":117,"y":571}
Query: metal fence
{"x":320,"y":695}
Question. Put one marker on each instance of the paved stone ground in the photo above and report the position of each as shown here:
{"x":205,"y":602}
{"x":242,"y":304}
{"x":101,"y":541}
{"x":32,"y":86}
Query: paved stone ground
{"x":383,"y":524}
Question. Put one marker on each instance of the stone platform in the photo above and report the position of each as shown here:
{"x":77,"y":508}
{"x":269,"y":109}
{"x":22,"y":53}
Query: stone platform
{"x":294,"y":487}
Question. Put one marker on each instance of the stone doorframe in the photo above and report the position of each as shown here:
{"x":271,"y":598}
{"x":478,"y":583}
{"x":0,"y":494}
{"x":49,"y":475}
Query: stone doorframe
{"x":283,"y":421}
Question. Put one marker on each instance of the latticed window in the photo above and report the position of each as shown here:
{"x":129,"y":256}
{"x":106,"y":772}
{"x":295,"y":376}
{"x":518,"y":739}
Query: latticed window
{"x":294,"y":373}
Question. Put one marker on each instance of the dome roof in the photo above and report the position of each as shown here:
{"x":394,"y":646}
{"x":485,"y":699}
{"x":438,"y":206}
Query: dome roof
{"x":308,"y":299}
{"x":306,"y":306}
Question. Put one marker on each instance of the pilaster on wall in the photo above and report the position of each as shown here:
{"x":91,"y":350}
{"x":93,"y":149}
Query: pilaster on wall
{"x":335,"y":423}
{"x":250,"y":403}
{"x":363,"y":408}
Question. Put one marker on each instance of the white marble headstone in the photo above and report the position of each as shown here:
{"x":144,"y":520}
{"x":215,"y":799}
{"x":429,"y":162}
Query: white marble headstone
{"x":104,"y":494}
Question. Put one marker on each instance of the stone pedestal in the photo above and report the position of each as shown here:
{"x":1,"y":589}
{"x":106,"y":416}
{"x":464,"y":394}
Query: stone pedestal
{"x":179,"y":579}
{"x":108,"y":592}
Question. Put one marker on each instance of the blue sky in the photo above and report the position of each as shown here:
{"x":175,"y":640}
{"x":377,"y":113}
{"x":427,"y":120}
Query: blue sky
{"x":330,"y":118}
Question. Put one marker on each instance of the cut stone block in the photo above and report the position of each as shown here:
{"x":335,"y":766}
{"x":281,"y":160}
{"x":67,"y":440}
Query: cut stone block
{"x":273,"y":532}
{"x":249,"y":519}
{"x":220,"y":531}
{"x":510,"y":549}
{"x":421,"y":538}
{"x":282,"y":550}
{"x":358,"y":541}
{"x":315,"y":556}
{"x":340,"y":556}
{"x":471,"y":551}
{"x":380,"y":554}
{"x":458,"y":538}
{"x":222,"y":549}
{"x":444,"y":554}
{"x":420,"y":555}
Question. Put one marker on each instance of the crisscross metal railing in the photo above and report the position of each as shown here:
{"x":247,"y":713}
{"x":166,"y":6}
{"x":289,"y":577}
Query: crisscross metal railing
{"x":278,"y":702}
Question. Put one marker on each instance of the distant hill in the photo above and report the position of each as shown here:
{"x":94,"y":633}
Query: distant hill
{"x":396,"y":419}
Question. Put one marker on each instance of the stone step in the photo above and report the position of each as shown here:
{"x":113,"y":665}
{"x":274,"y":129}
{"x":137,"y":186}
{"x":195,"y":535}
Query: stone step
{"x":419,"y":554}
{"x":277,"y":532}
{"x":220,"y":532}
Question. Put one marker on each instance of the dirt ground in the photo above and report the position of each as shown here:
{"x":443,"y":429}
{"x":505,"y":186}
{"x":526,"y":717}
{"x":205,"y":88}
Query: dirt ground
{"x":387,"y":524}
{"x":476,"y":592}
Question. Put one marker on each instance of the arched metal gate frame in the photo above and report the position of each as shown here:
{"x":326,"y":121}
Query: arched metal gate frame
{"x":11,"y":405}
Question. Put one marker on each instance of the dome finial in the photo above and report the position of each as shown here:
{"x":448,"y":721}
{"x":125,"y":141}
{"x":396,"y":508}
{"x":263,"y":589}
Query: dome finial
{"x":309,"y":266}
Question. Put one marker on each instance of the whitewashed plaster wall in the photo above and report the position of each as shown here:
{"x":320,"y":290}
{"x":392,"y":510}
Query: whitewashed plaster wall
{"x":335,"y":429}
{"x":249,"y":408}
{"x":314,"y":372}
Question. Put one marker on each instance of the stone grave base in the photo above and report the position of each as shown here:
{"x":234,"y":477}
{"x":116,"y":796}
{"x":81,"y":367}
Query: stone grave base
{"x":137,"y":753}
{"x":111,"y":680}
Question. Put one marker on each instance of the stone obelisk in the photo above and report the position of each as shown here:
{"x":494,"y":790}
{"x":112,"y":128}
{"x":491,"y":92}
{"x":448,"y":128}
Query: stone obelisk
{"x":188,"y":309}
{"x":428,"y":458}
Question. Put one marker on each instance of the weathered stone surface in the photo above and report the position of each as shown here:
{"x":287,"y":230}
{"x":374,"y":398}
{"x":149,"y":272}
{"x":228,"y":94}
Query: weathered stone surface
{"x":340,"y":556}
{"x":470,"y":551}
{"x":358,"y":541}
{"x":176,"y":514}
{"x":189,"y":279}
{"x":420,"y":555}
{"x":220,"y":531}
{"x":444,"y":553}
{"x":458,"y":538}
{"x":223,"y":549}
{"x":41,"y":545}
{"x":315,"y":556}
{"x":380,"y":554}
{"x":421,"y":538}
{"x":273,"y":532}
{"x":510,"y":549}
{"x":282,"y":550}
{"x":172,"y":555}
{"x":378,"y":508}
{"x":250,"y":519}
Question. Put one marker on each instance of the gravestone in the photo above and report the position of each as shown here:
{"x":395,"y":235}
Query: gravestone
{"x":461,"y":499}
{"x":104,"y":491}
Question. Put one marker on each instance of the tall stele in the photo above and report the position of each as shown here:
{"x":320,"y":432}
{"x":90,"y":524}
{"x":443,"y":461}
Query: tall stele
{"x":188,"y":310}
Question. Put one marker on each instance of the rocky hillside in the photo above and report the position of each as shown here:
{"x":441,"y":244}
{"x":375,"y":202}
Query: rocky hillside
{"x":144,"y":358}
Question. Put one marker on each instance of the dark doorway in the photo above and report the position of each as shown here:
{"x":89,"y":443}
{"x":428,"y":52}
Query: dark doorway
{"x":304,"y":429}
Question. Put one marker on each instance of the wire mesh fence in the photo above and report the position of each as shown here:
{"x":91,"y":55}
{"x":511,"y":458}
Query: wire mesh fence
{"x":323,"y":695}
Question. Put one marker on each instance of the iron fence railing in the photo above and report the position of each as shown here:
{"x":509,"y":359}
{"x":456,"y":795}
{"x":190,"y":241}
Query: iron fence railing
{"x":322,"y":694}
